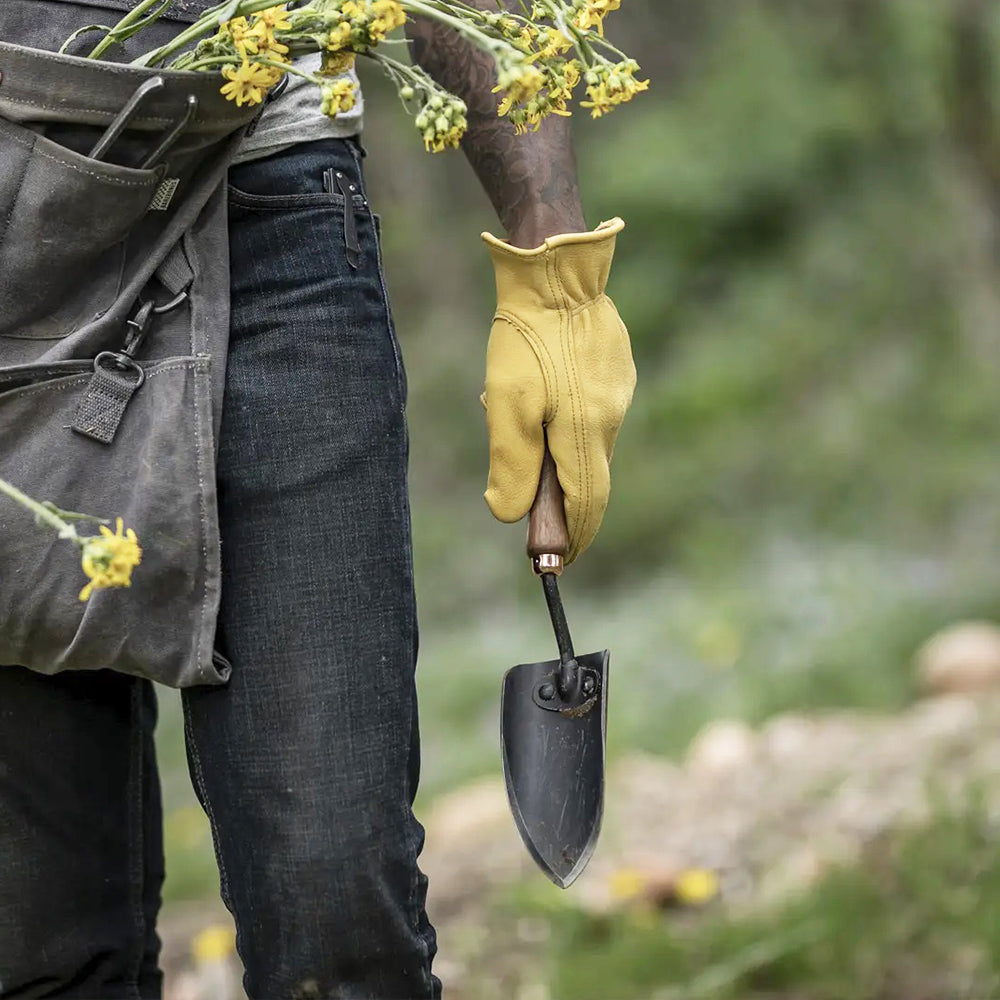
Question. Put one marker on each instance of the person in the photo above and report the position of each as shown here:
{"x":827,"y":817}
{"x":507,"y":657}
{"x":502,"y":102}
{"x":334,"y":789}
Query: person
{"x":306,"y":762}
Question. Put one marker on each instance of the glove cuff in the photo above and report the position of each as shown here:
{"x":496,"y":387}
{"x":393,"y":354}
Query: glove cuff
{"x":566,"y":271}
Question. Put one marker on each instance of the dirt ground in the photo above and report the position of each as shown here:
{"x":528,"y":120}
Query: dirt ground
{"x":766,"y":810}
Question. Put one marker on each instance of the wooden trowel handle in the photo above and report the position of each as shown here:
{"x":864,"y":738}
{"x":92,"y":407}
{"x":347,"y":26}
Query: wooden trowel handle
{"x":548,"y":536}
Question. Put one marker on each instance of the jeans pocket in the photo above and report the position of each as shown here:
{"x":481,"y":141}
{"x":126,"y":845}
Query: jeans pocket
{"x":63,"y":221}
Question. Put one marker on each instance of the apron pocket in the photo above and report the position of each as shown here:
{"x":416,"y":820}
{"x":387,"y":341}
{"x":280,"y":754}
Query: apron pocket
{"x":63,"y":221}
{"x":159,"y":478}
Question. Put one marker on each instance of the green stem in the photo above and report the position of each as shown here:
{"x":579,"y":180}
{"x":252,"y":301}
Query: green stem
{"x":209,"y":19}
{"x":129,"y":19}
{"x":41,"y":512}
{"x":230,"y":60}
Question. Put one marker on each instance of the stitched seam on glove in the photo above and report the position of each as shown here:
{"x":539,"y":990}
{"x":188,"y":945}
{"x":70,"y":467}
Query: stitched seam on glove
{"x":590,"y":303}
{"x":544,"y":358}
{"x":576,"y":402}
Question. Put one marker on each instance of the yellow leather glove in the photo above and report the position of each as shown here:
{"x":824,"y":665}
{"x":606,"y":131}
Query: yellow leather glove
{"x":558,"y":363}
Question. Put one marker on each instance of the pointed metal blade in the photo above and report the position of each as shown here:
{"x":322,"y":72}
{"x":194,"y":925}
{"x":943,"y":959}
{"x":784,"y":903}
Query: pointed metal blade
{"x":553,"y":764}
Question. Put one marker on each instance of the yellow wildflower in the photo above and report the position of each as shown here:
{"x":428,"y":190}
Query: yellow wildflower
{"x":696,"y":886}
{"x":387,"y":16}
{"x":593,"y":14}
{"x":268,"y":46}
{"x":276,"y":18}
{"x":339,"y":37}
{"x":336,"y":97}
{"x":336,"y":63}
{"x":555,"y":44}
{"x":627,"y":883}
{"x":520,"y":83}
{"x":109,"y":558}
{"x":215,"y":943}
{"x":248,"y":83}
{"x":612,"y":84}
{"x":442,"y":122}
{"x":245,"y":37}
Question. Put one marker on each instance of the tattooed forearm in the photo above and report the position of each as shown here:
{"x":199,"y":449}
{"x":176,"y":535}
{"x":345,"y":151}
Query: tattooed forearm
{"x":530,"y":179}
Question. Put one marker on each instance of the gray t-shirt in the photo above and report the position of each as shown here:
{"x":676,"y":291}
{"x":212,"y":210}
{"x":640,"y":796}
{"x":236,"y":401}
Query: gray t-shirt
{"x":294,"y":116}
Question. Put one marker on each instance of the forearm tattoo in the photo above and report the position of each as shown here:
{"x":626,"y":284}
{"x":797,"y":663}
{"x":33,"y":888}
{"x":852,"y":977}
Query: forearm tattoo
{"x":530,"y":179}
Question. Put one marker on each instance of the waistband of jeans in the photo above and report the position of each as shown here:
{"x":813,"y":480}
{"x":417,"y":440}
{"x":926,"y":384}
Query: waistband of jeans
{"x":41,"y":86}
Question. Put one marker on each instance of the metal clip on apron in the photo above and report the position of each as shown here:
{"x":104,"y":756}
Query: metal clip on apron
{"x":113,"y":333}
{"x":117,"y":374}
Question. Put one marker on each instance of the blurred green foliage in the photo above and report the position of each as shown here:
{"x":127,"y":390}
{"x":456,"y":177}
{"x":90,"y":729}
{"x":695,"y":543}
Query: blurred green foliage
{"x":917,"y":920}
{"x":810,"y":274}
{"x":806,"y":485}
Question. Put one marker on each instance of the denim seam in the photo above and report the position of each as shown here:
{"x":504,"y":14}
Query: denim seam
{"x":199,"y":777}
{"x":390,"y":326}
{"x":290,"y":202}
{"x":135,"y":832}
{"x":413,"y":903}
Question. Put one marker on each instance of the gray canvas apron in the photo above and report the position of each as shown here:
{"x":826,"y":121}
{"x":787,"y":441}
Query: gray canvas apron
{"x":97,"y":255}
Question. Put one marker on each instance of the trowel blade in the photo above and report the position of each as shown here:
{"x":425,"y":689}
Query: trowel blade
{"x":553,"y":764}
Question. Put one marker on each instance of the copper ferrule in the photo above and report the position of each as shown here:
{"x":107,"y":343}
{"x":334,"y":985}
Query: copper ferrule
{"x":547,"y":562}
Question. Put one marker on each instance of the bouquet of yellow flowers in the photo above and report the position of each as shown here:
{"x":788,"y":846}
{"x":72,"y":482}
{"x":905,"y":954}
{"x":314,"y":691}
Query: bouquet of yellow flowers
{"x":543,"y":51}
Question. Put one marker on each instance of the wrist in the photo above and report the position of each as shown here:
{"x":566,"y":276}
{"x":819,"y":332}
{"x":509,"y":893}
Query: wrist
{"x":534,"y":229}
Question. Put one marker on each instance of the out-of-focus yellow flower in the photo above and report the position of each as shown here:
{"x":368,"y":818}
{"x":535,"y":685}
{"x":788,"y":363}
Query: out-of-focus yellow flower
{"x":627,"y":883}
{"x":658,"y":889}
{"x":214,"y":943}
{"x":109,"y":558}
{"x":696,"y":886}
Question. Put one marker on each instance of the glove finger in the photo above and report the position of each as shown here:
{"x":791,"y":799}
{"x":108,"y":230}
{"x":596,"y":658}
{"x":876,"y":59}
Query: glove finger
{"x":517,"y":444}
{"x":515,"y":401}
{"x":585,"y":477}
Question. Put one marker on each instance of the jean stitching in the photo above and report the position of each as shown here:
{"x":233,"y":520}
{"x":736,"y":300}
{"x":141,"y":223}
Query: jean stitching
{"x":135,"y":833}
{"x":199,"y":778}
{"x":390,"y":326}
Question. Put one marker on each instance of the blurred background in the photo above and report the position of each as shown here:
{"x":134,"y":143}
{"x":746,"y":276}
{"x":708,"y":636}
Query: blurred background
{"x":798,"y":567}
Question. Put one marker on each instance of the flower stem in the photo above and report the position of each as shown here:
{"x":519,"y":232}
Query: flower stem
{"x":220,"y":12}
{"x":40,"y":511}
{"x":129,"y":19}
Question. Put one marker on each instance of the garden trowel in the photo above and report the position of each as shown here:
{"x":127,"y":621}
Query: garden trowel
{"x":554,"y":717}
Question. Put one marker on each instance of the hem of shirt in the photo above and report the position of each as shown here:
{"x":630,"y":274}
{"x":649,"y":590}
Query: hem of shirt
{"x":277,"y":139}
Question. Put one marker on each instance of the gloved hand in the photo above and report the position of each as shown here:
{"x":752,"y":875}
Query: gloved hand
{"x":558,"y":363}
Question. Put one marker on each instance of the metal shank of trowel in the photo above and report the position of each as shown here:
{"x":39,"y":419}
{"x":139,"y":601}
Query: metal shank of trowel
{"x":548,"y":543}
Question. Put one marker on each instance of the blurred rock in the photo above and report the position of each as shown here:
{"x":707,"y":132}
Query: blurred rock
{"x":962,"y":658}
{"x":721,"y":747}
{"x":468,"y":812}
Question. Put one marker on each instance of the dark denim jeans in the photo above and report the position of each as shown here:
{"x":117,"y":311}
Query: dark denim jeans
{"x":306,"y":762}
